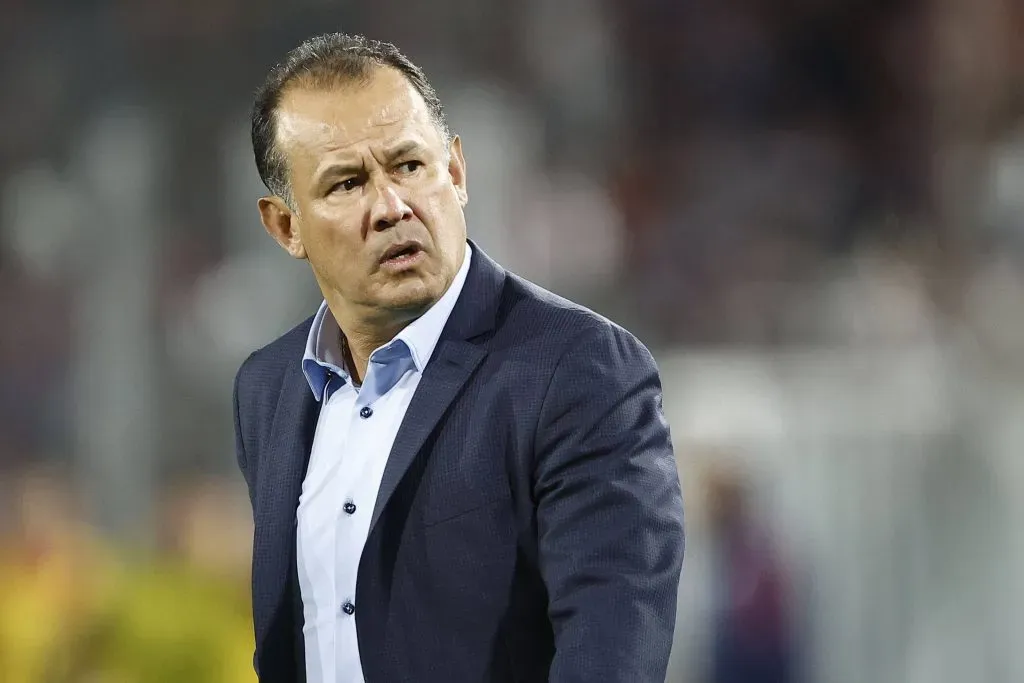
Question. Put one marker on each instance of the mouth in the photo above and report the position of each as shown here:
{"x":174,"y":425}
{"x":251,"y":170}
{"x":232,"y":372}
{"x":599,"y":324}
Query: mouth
{"x":401,"y":254}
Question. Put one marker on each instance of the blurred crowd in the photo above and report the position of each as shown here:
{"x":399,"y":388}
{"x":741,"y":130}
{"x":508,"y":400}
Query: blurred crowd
{"x":730,"y":177}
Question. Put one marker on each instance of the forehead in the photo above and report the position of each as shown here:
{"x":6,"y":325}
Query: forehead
{"x":315,"y":121}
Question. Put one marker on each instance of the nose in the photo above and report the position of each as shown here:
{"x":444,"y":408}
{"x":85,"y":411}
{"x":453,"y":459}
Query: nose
{"x":388,"y":208}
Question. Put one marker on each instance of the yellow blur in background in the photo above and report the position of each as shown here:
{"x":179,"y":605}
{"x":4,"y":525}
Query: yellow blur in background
{"x":75,"y":609}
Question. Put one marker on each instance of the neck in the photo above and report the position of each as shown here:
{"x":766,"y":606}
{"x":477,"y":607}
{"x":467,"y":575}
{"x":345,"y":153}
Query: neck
{"x":360,"y":341}
{"x":364,"y":331}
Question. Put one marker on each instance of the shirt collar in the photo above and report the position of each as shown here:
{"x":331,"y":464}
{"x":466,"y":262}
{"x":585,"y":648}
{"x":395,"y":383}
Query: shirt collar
{"x":323,"y":354}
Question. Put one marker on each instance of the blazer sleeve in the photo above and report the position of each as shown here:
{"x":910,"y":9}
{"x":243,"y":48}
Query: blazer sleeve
{"x":609,"y":513}
{"x":239,"y":395}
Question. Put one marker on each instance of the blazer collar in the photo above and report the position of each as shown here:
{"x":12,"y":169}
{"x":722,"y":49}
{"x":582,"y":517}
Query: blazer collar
{"x":476,"y":310}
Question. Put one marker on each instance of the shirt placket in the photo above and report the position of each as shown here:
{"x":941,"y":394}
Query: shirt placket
{"x":348,"y":524}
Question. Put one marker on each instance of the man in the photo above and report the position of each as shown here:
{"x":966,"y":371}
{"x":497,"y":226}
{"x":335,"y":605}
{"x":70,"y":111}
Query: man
{"x":455,"y":475}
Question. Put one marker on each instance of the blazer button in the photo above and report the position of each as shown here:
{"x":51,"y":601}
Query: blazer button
{"x":348,"y":608}
{"x":365,"y":412}
{"x":349,"y":508}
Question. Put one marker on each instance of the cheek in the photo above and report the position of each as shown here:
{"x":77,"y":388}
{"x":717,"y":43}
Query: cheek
{"x":333,"y":229}
{"x":333,"y":248}
{"x":442,"y":221}
{"x":443,"y":204}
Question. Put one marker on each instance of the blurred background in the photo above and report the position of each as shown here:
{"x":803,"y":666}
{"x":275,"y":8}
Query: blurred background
{"x":812,"y":211}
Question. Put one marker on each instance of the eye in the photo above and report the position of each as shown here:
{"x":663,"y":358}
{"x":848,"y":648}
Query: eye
{"x":410,"y":166}
{"x":345,"y":185}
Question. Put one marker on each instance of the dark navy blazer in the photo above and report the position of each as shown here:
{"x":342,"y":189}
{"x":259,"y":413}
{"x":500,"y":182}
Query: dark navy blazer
{"x":529,"y":525}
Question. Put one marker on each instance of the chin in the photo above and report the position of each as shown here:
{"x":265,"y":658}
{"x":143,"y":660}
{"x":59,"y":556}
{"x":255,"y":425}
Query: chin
{"x":412,"y":296}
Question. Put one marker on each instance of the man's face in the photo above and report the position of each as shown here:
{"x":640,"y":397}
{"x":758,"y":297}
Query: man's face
{"x":378,"y":197}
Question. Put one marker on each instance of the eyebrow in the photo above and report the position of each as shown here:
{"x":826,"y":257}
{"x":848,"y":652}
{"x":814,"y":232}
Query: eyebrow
{"x":340,"y":169}
{"x":346,"y":168}
{"x":401,"y":149}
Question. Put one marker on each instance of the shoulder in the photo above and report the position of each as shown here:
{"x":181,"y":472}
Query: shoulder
{"x":555,"y":326}
{"x":265,"y":367}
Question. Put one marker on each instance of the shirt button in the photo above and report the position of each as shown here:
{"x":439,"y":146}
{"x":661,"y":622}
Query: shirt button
{"x":349,"y":508}
{"x":348,"y":608}
{"x":365,"y":412}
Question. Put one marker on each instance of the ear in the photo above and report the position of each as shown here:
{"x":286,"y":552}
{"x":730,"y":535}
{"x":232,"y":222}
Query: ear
{"x":457,"y":169}
{"x":283,"y":225}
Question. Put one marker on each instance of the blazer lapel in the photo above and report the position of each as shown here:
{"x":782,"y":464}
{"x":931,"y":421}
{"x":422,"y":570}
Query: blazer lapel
{"x":442,"y":381}
{"x":279,"y":486}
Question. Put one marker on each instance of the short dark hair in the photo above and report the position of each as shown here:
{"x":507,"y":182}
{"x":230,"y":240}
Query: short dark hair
{"x":326,"y":61}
